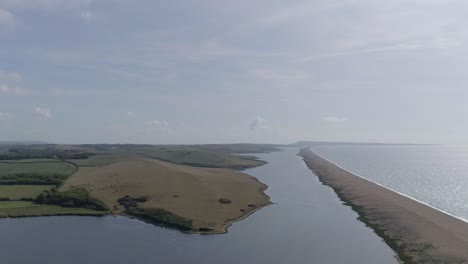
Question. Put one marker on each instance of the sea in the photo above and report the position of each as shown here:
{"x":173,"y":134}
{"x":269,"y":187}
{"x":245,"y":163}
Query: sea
{"x":434,"y":175}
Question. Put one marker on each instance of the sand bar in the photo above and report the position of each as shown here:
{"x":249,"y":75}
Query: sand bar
{"x":417,"y":232}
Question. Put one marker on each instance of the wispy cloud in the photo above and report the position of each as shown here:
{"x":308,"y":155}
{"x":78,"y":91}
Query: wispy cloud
{"x":257,"y":123}
{"x":87,"y":16}
{"x":43,"y":112}
{"x":130,"y":114}
{"x":277,"y":76}
{"x":158,"y":125}
{"x":439,"y":43}
{"x":62,"y":92}
{"x":13,"y":90}
{"x":4,"y":116}
{"x":362,"y":51}
{"x":334,"y":119}
{"x":67,"y":92}
{"x":10,"y":76}
{"x":44,"y":4}
{"x":6,"y":18}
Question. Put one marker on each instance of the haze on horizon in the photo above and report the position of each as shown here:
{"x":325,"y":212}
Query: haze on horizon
{"x":205,"y":71}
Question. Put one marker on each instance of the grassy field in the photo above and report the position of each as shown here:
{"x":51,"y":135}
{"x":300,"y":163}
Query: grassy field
{"x":99,"y":160}
{"x":199,"y":158}
{"x":15,"y":192}
{"x":182,"y":156}
{"x":29,"y":160}
{"x":22,"y":208}
{"x":189,"y":192}
{"x":36,"y":173}
{"x":45,"y":168}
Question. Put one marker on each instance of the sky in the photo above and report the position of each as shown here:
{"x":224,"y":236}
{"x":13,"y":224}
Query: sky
{"x":210,"y":71}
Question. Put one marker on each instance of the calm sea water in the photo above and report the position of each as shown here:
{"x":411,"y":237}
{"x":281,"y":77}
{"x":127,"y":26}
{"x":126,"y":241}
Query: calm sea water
{"x":308,"y":224}
{"x":435,"y":175}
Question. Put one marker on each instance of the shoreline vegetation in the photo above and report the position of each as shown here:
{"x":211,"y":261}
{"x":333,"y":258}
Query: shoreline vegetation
{"x":194,"y":189}
{"x":416,"y":232}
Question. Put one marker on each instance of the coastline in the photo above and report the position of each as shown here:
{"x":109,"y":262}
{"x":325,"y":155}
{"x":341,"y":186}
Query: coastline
{"x":230,"y":222}
{"x":248,"y":194}
{"x":223,"y":228}
{"x":417,"y":232}
{"x":184,"y":193}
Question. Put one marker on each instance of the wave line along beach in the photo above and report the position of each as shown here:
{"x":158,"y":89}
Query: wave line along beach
{"x":417,"y":232}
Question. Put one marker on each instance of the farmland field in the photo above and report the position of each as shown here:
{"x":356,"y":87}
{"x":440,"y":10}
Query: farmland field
{"x":23,"y":208}
{"x":37,"y":173}
{"x":47,"y":167}
{"x":192,"y":187}
{"x":98,"y":160}
{"x":15,"y":192}
{"x":197,"y":158}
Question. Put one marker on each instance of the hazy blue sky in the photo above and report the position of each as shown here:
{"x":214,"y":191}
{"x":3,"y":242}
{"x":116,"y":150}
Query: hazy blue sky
{"x":211,"y":71}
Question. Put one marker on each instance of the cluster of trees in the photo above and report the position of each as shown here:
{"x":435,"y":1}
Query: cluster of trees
{"x":161,"y":217}
{"x":75,"y":197}
{"x":156,"y":216}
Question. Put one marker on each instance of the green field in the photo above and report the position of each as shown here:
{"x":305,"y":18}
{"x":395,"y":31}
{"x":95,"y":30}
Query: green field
{"x":29,"y":160}
{"x":198,"y":158}
{"x":99,"y":160}
{"x":47,"y":167}
{"x":20,"y":208}
{"x":188,"y":156}
{"x":37,"y":173}
{"x":15,"y":192}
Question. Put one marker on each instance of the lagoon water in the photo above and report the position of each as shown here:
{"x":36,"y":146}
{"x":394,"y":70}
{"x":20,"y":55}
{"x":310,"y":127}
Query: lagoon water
{"x":308,"y":224}
{"x":435,"y":175}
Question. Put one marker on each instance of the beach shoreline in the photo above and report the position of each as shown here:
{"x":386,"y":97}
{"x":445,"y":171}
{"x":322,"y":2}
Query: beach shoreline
{"x":417,"y":232}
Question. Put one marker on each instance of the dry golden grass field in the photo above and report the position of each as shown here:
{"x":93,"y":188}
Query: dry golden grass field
{"x":189,"y":192}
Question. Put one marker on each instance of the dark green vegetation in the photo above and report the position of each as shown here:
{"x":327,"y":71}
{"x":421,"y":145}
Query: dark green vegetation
{"x":27,"y":208}
{"x":76,"y":197}
{"x":156,"y":216}
{"x":161,"y":217}
{"x":18,"y":152}
{"x":32,"y":179}
{"x":30,"y":171}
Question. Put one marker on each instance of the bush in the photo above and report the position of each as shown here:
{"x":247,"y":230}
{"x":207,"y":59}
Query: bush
{"x":161,"y":217}
{"x":156,"y":216}
{"x":128,"y":201}
{"x":76,"y":197}
{"x":32,"y":179}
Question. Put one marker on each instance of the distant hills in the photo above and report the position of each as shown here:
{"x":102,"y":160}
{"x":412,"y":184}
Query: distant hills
{"x":319,"y":143}
{"x":30,"y":142}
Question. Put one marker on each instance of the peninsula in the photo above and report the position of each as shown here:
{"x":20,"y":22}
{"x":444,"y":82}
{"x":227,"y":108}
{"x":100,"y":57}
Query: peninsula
{"x":196,"y":188}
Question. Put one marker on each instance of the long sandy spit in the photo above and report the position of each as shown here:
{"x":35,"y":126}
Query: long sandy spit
{"x":417,"y":232}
